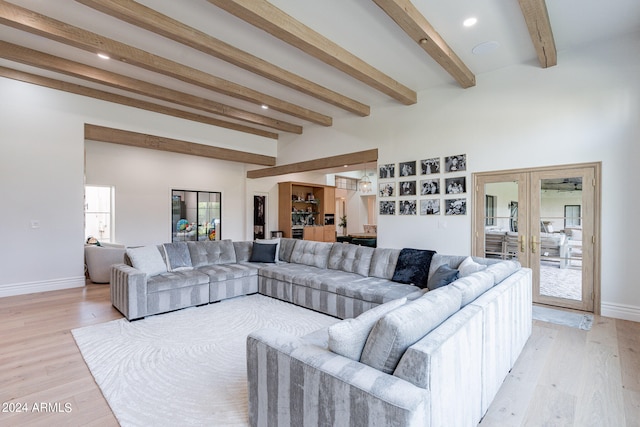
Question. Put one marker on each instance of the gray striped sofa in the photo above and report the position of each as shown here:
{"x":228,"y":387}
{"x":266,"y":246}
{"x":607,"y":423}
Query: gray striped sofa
{"x":477,"y":328}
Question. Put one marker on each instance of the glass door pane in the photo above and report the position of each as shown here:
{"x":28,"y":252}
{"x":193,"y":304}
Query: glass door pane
{"x":559,"y":199}
{"x":499,"y":203}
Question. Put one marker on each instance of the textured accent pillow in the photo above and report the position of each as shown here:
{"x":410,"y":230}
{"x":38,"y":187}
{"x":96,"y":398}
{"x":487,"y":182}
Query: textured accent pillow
{"x":406,"y":325}
{"x":147,"y":259}
{"x":469,"y":266}
{"x":263,"y":252}
{"x":271,"y":242}
{"x":413,"y":267}
{"x":348,"y":337}
{"x":442,"y":277}
{"x":177,"y":256}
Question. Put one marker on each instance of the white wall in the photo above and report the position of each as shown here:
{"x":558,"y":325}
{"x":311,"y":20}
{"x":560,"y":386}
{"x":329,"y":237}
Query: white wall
{"x":143,"y":180}
{"x":585,"y":109}
{"x":42,"y":179}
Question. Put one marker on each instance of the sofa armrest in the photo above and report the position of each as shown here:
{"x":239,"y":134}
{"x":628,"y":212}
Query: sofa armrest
{"x":292,"y":382}
{"x":129,"y":291}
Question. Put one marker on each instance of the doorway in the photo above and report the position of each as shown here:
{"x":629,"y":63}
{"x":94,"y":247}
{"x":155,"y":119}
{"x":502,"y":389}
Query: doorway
{"x":547,"y":219}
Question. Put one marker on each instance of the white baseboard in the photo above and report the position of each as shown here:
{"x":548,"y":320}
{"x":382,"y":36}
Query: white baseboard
{"x":620,"y":311}
{"x":12,"y":289}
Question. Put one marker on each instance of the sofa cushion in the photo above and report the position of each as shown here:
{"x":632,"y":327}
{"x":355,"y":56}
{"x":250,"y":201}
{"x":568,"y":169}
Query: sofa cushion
{"x":243,"y":250}
{"x":286,"y":248}
{"x":413,"y":267}
{"x":351,"y":258}
{"x":223,"y":272}
{"x":212,"y":252}
{"x":349,"y":336}
{"x":286,"y":272}
{"x":474,"y":285}
{"x":264,"y":252}
{"x":502,"y":270}
{"x":442,"y":277}
{"x":176,"y":279}
{"x":147,"y":259}
{"x":383,"y":263}
{"x":311,"y":253}
{"x":469,"y":266}
{"x":177,"y":256}
{"x":406,"y":325}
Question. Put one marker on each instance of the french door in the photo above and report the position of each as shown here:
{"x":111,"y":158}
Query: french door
{"x":547,"y":219}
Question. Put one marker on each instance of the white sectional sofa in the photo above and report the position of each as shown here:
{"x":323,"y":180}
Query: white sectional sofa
{"x":446,"y":378}
{"x":423,"y":357}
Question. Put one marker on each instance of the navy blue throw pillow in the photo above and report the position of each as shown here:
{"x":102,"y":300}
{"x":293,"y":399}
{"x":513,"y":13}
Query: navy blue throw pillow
{"x":442,"y":277}
{"x":263,"y":252}
{"x":413,"y":267}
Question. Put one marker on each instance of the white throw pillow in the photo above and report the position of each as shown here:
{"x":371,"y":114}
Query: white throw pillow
{"x":147,"y":259}
{"x":469,"y":266}
{"x":349,"y":336}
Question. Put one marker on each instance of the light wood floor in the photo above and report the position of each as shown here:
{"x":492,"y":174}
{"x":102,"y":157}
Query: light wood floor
{"x":564,"y":377}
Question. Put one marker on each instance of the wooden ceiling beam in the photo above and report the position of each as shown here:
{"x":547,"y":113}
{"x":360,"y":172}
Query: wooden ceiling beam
{"x":151,"y":20}
{"x":537,"y":18}
{"x":356,"y":158}
{"x":269,"y":18}
{"x":153,"y":142}
{"x":41,"y":25}
{"x":412,"y":22}
{"x":45,"y":61}
{"x":131,"y":102}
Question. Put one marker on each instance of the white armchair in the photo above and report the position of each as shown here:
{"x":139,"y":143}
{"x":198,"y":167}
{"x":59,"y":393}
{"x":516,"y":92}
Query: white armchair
{"x":99,"y":259}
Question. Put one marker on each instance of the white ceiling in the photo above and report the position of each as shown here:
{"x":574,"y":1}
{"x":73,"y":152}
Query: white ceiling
{"x":359,"y":26}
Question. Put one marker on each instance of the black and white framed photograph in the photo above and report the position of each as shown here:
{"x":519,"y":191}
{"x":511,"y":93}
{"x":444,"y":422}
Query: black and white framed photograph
{"x":455,"y":206}
{"x":429,"y":186}
{"x":455,"y":185}
{"x":429,"y":166}
{"x":386,"y":189}
{"x":387,"y":171}
{"x":455,"y":163}
{"x":430,"y":207}
{"x":407,"y":207}
{"x":407,"y":168}
{"x":388,"y":207}
{"x":407,"y":188}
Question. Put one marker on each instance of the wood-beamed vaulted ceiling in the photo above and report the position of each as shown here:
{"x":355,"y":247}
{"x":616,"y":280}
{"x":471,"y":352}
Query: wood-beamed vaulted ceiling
{"x":220,"y":62}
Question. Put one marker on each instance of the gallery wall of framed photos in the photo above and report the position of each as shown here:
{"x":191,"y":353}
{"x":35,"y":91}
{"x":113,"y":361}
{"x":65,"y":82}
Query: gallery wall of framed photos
{"x":432,"y":186}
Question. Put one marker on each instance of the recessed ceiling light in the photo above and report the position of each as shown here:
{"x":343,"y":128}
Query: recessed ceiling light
{"x":265,"y":107}
{"x":103,"y":55}
{"x":470,"y":22}
{"x":486,"y":47}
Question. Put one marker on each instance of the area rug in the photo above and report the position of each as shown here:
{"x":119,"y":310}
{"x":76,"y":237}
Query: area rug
{"x":560,"y":317}
{"x":187,"y":367}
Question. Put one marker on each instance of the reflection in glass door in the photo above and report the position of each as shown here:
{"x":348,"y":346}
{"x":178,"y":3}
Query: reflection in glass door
{"x":546,"y":219}
{"x":559,"y":201}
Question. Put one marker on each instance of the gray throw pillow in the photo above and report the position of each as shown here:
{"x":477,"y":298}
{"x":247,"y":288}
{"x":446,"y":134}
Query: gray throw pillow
{"x":469,"y":266}
{"x":406,"y":325}
{"x":442,"y":277}
{"x":263,"y":252}
{"x":177,"y":256}
{"x":348,"y":337}
{"x":147,"y":259}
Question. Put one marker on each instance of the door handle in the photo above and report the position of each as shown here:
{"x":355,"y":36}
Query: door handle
{"x":534,"y":244}
{"x":523,"y":243}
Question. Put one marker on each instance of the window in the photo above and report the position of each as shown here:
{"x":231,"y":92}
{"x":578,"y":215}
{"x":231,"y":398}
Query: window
{"x":98,"y":213}
{"x":571,"y":215}
{"x":346,"y":183}
{"x":490,"y":210}
{"x":195,"y":215}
